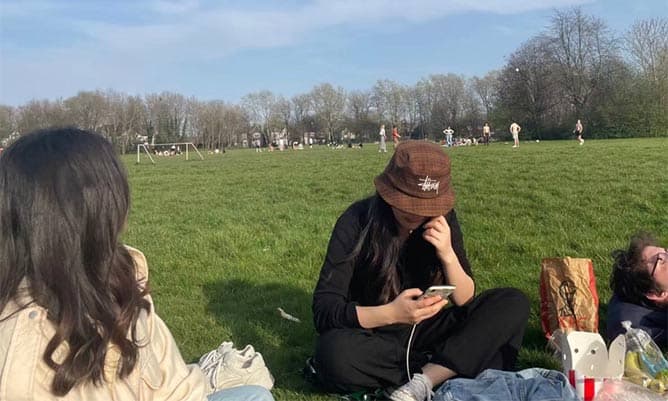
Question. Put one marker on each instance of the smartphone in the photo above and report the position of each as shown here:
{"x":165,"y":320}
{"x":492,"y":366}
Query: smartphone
{"x":443,"y":290}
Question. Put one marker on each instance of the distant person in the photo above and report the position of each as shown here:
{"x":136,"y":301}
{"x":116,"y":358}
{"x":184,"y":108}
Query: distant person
{"x":383,"y":146}
{"x":578,"y":131}
{"x":449,"y":132}
{"x":384,"y":252}
{"x":77,"y":321}
{"x":515,"y":131}
{"x":639,"y":284}
{"x":395,"y":135}
{"x":485,"y":133}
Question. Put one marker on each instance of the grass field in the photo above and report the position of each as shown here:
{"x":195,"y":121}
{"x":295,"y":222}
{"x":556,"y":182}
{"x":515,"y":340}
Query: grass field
{"x":231,"y":238}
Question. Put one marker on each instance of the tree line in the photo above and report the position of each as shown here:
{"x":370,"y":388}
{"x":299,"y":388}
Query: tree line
{"x":577,"y":68}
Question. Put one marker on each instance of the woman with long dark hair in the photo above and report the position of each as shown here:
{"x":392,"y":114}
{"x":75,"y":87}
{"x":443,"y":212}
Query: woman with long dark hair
{"x":76,"y":318}
{"x":376,"y":331}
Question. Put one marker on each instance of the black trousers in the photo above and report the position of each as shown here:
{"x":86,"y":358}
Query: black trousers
{"x":485,"y":333}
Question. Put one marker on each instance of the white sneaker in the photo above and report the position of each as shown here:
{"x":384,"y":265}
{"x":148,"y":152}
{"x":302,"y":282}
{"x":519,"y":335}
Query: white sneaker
{"x":238,"y":368}
{"x":211,"y":358}
{"x":246,"y":353}
{"x":419,"y":388}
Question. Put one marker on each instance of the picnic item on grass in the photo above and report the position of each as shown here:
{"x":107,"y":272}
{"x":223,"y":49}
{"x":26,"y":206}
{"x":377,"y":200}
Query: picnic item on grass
{"x":568,"y":296}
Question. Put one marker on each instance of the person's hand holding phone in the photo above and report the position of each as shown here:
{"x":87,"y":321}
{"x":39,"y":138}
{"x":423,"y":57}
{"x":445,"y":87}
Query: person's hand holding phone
{"x":410,"y":308}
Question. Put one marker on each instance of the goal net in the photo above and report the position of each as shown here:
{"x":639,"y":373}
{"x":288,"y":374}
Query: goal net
{"x":166,"y":150}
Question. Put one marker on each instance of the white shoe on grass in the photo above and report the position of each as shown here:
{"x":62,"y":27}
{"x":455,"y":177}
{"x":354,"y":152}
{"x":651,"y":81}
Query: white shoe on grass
{"x":419,"y":388}
{"x":211,"y":358}
{"x":227,"y":367}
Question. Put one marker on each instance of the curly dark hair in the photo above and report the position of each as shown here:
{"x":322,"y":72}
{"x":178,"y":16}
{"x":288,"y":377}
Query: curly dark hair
{"x":630,"y":280}
{"x":64,"y":201}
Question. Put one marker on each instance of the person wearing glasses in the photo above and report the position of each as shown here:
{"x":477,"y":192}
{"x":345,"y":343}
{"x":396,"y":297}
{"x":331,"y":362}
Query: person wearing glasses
{"x":639,"y":282}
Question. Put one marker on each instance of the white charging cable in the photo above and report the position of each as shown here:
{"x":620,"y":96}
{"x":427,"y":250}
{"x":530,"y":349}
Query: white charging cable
{"x":408,"y":352}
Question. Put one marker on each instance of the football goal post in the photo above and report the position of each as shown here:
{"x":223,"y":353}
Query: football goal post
{"x":167,"y":150}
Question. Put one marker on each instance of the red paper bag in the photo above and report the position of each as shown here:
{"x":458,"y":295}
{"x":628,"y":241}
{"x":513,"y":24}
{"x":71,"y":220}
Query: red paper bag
{"x":568,"y":296}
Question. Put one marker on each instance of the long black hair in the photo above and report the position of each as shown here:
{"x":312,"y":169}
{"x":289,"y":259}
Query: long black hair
{"x":378,"y":252}
{"x":64,"y":201}
{"x":630,"y":279}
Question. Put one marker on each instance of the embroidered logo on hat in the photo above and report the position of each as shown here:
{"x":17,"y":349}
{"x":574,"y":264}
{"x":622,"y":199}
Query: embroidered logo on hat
{"x":427,"y":184}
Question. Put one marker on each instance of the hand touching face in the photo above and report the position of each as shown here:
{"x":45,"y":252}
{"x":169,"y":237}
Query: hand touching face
{"x":437,"y":233}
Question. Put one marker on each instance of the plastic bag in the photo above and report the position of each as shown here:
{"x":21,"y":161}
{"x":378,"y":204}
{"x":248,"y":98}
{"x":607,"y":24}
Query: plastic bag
{"x":644,"y":363}
{"x":622,"y":390}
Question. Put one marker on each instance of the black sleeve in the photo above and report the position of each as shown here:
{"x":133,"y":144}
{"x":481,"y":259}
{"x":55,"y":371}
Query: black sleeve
{"x":457,"y":239}
{"x":331,"y":306}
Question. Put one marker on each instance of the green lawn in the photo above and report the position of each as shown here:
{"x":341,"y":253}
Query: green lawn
{"x":231,"y":238}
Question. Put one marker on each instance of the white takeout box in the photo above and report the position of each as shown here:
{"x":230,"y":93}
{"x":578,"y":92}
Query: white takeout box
{"x":587,"y":362}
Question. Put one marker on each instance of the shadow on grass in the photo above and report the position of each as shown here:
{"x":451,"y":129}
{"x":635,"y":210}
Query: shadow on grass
{"x":249,"y":311}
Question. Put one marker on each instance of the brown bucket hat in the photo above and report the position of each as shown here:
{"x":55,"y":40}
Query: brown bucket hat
{"x":417,"y":180}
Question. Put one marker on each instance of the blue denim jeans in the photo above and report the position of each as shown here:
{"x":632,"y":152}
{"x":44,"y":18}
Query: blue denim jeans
{"x":242,"y":393}
{"x":534,"y":384}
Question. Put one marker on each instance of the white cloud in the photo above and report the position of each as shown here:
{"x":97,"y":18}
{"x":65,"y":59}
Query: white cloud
{"x":114,"y":52}
{"x":199,"y":32}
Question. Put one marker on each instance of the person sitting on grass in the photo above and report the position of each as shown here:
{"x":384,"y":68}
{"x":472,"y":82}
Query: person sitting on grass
{"x":639,"y":282}
{"x":384,"y":252}
{"x":77,"y":321}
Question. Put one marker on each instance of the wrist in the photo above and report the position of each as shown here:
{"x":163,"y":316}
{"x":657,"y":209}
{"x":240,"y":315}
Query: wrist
{"x":389,"y":314}
{"x":449,"y":258}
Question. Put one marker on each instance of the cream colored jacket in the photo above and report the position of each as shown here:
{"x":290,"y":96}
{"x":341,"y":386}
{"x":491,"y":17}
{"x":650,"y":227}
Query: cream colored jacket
{"x":160,"y":373}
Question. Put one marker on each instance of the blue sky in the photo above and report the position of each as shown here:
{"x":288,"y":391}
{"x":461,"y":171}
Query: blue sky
{"x":226,"y":49}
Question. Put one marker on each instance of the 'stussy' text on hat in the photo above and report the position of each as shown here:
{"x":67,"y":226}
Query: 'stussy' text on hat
{"x":427,"y":184}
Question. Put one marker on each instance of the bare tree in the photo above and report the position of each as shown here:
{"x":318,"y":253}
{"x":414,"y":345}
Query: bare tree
{"x":87,"y":110}
{"x":647,"y":43}
{"x":446,"y":94}
{"x":584,"y":50}
{"x":359,"y":111}
{"x":424,"y":100}
{"x":528,"y":88}
{"x":302,"y":106}
{"x":7,"y":121}
{"x":389,"y":99}
{"x":359,"y":103}
{"x":487,"y":88}
{"x":237,"y":125}
{"x":472,"y":110}
{"x":167,"y":117}
{"x":413,"y":109}
{"x":260,"y":107}
{"x":329,"y":105}
{"x":208,"y":119}
{"x":283,"y":113}
{"x":39,"y":114}
{"x":115,"y":120}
